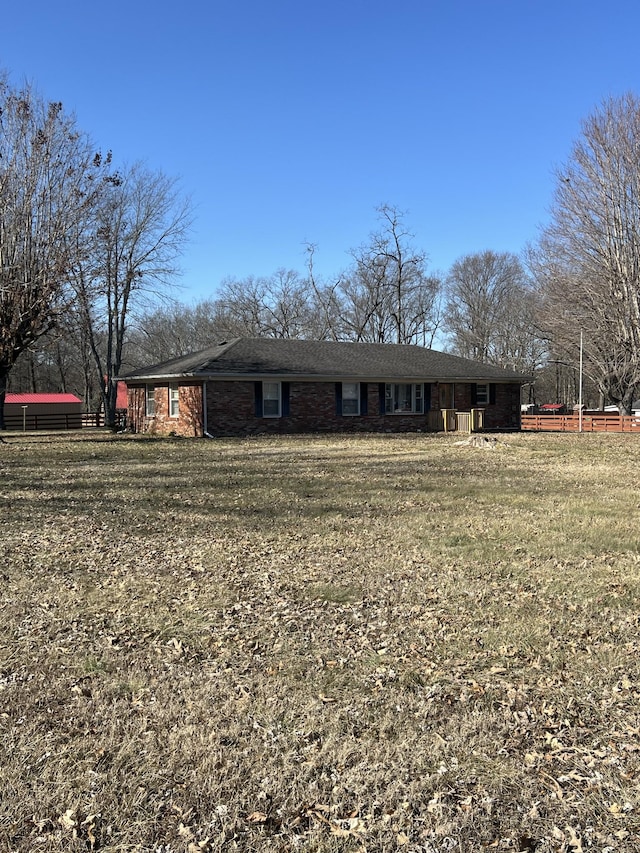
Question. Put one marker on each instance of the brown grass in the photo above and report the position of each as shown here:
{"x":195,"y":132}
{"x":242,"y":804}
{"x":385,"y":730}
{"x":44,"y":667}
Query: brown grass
{"x":319,"y":644}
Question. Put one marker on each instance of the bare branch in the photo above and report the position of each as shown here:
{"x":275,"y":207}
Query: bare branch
{"x":50,"y":181}
{"x":588,"y":258}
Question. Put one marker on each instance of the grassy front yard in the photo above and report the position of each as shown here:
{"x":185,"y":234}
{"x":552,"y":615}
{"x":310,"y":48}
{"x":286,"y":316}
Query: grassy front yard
{"x":319,"y":644}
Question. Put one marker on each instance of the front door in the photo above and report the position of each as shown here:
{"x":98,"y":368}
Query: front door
{"x":446,"y":395}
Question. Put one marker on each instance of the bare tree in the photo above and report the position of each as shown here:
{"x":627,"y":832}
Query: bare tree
{"x":61,"y":362}
{"x":588,"y":257}
{"x":388,"y":296}
{"x":50,"y":178}
{"x":139,"y":230}
{"x":171,"y":330}
{"x":385,"y":297}
{"x":491,"y":309}
{"x":327,"y":299}
{"x":277,"y":306}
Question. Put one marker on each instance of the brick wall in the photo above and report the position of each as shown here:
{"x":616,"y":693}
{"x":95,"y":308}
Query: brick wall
{"x":189,"y":421}
{"x":504,"y":413}
{"x":462,"y":400}
{"x":312,"y":406}
{"x":231,"y":410}
{"x":135,"y":407}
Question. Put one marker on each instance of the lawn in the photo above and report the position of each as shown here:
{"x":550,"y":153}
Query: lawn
{"x":319,"y":644}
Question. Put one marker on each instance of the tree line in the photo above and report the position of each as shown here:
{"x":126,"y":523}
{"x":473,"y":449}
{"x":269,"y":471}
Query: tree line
{"x":82,"y":244}
{"x":487,"y":318}
{"x":88,"y":253}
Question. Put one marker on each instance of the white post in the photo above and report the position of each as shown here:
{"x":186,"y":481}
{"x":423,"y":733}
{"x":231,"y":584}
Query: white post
{"x":580,"y":387}
{"x":24,"y":418}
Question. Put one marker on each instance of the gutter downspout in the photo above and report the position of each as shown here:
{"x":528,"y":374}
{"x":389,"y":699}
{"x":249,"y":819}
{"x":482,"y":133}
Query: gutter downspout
{"x":205,"y":425}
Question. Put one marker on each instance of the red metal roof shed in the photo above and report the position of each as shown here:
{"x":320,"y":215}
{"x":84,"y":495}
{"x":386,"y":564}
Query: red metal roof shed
{"x":33,"y":399}
{"x":42,"y":411}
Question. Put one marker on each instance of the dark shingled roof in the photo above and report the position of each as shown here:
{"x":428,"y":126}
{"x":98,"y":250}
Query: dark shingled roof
{"x":274,"y":357}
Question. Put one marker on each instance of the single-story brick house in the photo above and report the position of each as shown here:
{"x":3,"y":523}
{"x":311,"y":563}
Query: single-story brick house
{"x":249,"y":386}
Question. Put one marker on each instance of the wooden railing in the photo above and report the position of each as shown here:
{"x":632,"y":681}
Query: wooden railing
{"x":59,"y":421}
{"x":449,"y":420}
{"x":590,"y":422}
{"x":96,"y":419}
{"x":49,"y":420}
{"x":92,"y":419}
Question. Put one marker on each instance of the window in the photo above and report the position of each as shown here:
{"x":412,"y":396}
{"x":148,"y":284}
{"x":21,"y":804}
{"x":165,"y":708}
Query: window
{"x":150,"y":401}
{"x":271,"y":399}
{"x":482,"y":394}
{"x":350,"y":398}
{"x":404,"y":399}
{"x":174,"y":400}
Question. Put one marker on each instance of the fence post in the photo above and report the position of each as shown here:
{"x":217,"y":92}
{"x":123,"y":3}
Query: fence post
{"x":449,"y":420}
{"x":477,"y":420}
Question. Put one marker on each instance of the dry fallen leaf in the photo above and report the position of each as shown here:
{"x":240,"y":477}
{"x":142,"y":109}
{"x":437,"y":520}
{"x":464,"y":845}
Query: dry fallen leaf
{"x":185,"y":832}
{"x":257,"y":817}
{"x":574,"y":841}
{"x":68,"y":819}
{"x":350,"y":826}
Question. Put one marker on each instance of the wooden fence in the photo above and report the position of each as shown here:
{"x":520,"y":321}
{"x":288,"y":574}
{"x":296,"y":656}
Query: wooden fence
{"x":591,"y":422}
{"x":59,"y":421}
{"x":44,"y":420}
{"x":92,"y":419}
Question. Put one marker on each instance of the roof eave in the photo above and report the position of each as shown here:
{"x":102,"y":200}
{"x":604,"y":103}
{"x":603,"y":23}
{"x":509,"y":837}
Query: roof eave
{"x":328,"y":377}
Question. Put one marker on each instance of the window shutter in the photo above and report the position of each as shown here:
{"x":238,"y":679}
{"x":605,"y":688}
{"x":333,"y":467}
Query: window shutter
{"x":285,"y":399}
{"x":338,"y":398}
{"x":492,"y":393}
{"x":364,"y":399}
{"x":258,"y":398}
{"x":427,"y":396}
{"x":382,"y":397}
{"x":474,"y":395}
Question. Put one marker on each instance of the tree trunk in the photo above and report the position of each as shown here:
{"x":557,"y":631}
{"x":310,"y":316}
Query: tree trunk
{"x":110,"y":398}
{"x":626,"y":404}
{"x":4,"y":375}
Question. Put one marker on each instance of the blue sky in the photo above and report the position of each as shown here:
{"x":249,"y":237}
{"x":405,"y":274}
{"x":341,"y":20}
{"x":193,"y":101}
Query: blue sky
{"x":289,"y":121}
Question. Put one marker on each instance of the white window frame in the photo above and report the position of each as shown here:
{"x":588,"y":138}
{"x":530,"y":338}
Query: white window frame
{"x":350,"y":397}
{"x":482,"y":393}
{"x":150,"y":401}
{"x":272,"y":393}
{"x":174,"y":400}
{"x":392,"y":396}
